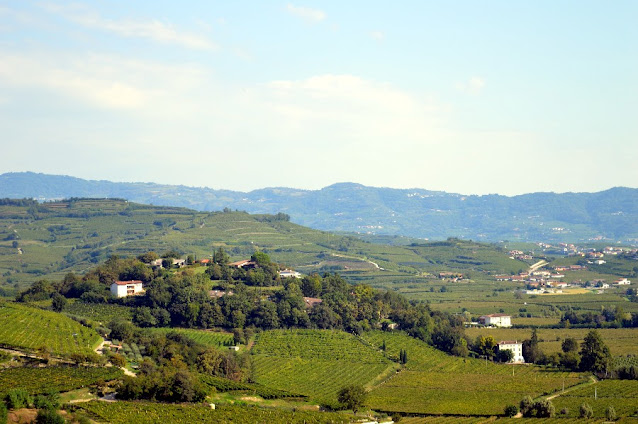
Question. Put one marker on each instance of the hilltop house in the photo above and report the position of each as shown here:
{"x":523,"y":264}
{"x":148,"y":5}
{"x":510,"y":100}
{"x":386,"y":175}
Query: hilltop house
{"x":516,"y":347}
{"x":245,"y":264}
{"x":310,"y":302}
{"x":289,"y":273}
{"x":126,"y":288}
{"x":496,"y":320}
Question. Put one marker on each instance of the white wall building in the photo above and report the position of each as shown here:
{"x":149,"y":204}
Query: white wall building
{"x":516,"y":347}
{"x":126,"y":288}
{"x":289,"y":273}
{"x":496,"y":320}
{"x":622,"y":282}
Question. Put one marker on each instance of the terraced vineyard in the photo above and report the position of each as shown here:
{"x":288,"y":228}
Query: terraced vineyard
{"x":205,"y":337}
{"x":41,"y":380}
{"x":152,"y":413}
{"x":315,"y":363}
{"x":621,"y":394}
{"x":22,"y":327}
{"x":502,"y":420}
{"x":435,"y":383}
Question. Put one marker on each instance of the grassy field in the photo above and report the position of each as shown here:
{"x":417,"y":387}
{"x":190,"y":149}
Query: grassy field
{"x":61,"y":379}
{"x":315,"y":363}
{"x":435,"y":383}
{"x":621,"y":341}
{"x":22,"y":327}
{"x":621,"y":394}
{"x":205,"y":337}
{"x":151,"y":413}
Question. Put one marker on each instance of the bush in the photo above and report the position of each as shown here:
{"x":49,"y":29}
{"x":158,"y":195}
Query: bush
{"x":396,"y":417}
{"x":610,"y":413}
{"x":4,"y":415}
{"x":564,"y":411}
{"x":18,"y":398}
{"x":511,"y":410}
{"x":49,"y":416}
{"x":586,"y":411}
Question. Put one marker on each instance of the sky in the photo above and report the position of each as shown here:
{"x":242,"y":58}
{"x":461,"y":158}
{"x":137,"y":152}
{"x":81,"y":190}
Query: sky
{"x":471,"y":97}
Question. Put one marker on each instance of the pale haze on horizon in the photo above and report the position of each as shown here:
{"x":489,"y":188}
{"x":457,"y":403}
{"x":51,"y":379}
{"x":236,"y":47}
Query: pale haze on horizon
{"x":467,"y":97}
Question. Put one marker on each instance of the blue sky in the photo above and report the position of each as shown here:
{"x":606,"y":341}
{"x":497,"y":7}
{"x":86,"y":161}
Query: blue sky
{"x":471,"y":97}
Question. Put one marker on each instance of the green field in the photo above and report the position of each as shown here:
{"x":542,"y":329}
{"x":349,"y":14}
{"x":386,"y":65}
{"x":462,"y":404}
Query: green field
{"x":22,"y":327}
{"x":315,"y":363}
{"x":621,"y":394}
{"x":152,"y":413}
{"x":621,"y":341}
{"x":205,"y":337}
{"x":61,"y":379}
{"x":435,"y":383}
{"x":101,"y":312}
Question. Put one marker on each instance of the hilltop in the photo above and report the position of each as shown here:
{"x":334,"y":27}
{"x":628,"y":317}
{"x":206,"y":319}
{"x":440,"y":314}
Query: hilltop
{"x":50,"y":239}
{"x":419,"y":213}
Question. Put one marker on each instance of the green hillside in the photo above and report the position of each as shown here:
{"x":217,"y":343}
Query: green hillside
{"x":48,"y":240}
{"x":28,"y":328}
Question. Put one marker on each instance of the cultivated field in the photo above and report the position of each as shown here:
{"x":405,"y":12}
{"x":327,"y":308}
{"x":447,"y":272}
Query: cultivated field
{"x":435,"y":383}
{"x":22,"y":327}
{"x":205,"y":337}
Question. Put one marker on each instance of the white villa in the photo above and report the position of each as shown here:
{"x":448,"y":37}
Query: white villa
{"x":622,"y":282}
{"x":289,"y":273}
{"x":126,"y":288}
{"x":496,"y":320}
{"x":516,"y":347}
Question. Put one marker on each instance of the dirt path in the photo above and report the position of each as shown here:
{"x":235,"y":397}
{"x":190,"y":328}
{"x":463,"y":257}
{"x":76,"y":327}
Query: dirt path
{"x":537,"y":265}
{"x":592,"y":380}
{"x":374,"y":264}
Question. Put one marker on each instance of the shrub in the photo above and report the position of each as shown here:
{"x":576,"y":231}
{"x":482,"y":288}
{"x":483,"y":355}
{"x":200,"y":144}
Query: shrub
{"x":18,"y":398}
{"x":586,"y":411}
{"x":4,"y":416}
{"x":49,"y":416}
{"x":610,"y":413}
{"x":564,"y":411}
{"x":511,"y":410}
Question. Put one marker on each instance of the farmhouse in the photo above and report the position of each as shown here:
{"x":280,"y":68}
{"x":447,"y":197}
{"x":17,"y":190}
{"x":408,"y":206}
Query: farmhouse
{"x":289,"y":273}
{"x":516,"y":347}
{"x":622,"y":282}
{"x":310,"y":302}
{"x":126,"y":288}
{"x":496,"y":320}
{"x":246,"y":264}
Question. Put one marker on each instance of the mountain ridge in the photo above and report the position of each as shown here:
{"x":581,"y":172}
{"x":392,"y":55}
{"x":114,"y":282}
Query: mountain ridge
{"x":352,"y":207}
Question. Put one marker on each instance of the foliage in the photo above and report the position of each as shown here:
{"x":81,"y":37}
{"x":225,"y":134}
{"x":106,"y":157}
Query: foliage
{"x":18,"y":398}
{"x":150,"y":413}
{"x":49,"y":416}
{"x":3,"y":413}
{"x":166,"y":384}
{"x":510,"y":410}
{"x":594,"y":353}
{"x":352,"y":397}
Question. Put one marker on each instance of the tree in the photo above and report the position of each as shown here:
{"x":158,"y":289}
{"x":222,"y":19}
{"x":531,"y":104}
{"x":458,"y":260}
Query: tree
{"x":531,"y":351}
{"x":504,"y":355}
{"x":261,"y":258}
{"x":586,"y":411}
{"x":594,"y":353}
{"x":59,"y":302}
{"x":569,"y":345}
{"x":511,"y":410}
{"x":352,"y":397}
{"x":486,"y":346}
{"x":220,"y":257}
{"x":49,"y":416}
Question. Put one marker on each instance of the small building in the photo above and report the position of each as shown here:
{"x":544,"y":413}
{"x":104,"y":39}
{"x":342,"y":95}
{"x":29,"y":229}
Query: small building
{"x":126,"y":288}
{"x":310,"y":302}
{"x":517,"y":350}
{"x":496,"y":320}
{"x":289,"y":273}
{"x":622,"y":282}
{"x":245,"y":264}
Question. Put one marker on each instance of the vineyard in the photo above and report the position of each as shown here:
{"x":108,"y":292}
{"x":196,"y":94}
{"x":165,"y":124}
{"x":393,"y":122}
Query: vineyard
{"x":102,"y":312}
{"x":41,"y":380}
{"x":205,"y":337}
{"x":315,"y":363}
{"x":151,"y":413}
{"x":435,"y":383}
{"x":621,"y":394}
{"x":225,"y":385}
{"x":503,"y":420}
{"x":27,"y":328}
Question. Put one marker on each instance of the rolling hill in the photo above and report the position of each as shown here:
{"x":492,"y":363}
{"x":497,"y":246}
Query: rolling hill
{"x":549,"y":217}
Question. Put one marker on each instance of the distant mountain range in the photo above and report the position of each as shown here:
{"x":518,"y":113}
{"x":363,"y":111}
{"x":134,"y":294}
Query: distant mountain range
{"x":610,"y":215}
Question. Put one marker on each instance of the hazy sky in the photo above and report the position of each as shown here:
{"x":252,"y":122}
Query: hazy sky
{"x":464,"y":96}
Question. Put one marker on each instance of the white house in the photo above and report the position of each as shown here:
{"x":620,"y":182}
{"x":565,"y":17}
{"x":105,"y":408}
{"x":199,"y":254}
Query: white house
{"x":126,"y":288}
{"x":496,"y":320}
{"x":622,"y":282}
{"x":289,"y":273}
{"x":516,"y":347}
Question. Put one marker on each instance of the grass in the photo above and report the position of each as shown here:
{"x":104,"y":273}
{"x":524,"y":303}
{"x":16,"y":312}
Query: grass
{"x":26,"y":328}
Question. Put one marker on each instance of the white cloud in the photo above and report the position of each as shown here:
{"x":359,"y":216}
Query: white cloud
{"x":148,"y":29}
{"x":377,"y":35}
{"x":311,"y":15}
{"x":472,"y":86}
